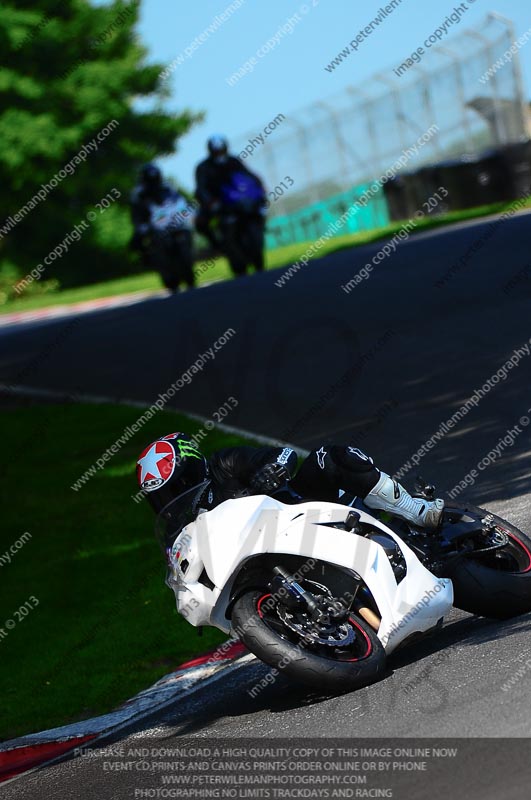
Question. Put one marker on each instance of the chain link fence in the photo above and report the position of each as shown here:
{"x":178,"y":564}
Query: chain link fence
{"x":334,"y":145}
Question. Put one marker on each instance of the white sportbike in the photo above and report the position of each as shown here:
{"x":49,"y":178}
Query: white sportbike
{"x":324,"y":591}
{"x":171,"y":244}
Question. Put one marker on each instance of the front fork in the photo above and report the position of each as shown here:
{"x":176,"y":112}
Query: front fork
{"x":320,"y":608}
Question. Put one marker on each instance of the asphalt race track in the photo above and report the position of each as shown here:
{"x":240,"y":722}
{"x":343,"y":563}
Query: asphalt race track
{"x":381,"y":367}
{"x":309,"y":362}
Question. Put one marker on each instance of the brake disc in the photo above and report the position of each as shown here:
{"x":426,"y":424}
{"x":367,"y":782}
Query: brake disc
{"x":311,"y":632}
{"x":498,"y":538}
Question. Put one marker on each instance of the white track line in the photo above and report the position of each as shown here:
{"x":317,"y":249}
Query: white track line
{"x":51,"y":394}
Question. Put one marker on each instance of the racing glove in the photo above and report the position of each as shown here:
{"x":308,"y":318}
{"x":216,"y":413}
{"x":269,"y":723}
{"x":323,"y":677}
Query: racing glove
{"x":269,"y":478}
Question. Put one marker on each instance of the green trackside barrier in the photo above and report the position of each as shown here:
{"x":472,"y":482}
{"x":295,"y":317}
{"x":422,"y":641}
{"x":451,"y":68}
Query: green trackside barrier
{"x":311,"y":222}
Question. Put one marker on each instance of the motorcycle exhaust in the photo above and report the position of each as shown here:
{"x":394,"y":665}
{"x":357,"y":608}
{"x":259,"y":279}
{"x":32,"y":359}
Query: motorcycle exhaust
{"x":370,"y":617}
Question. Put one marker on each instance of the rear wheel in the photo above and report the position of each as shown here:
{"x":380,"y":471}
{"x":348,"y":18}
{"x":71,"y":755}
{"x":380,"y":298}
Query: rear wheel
{"x":496,"y":581}
{"x":343,"y":655}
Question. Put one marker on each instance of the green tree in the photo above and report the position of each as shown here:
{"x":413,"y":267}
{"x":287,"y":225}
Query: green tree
{"x":74,"y":74}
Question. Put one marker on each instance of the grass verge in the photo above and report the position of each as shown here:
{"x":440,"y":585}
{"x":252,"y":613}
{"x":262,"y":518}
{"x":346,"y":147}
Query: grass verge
{"x":106,"y":625}
{"x":219,"y":270}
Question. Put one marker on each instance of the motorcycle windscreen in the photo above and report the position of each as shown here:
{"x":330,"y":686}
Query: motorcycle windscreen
{"x":176,"y":515}
{"x":242,"y":187}
{"x":170,"y":214}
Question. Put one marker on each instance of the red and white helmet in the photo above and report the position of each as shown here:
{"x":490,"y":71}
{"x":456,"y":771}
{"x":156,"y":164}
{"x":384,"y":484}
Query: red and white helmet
{"x":168,"y":467}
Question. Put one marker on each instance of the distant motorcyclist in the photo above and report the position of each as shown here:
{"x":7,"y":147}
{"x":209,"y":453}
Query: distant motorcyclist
{"x":150,"y":189}
{"x":173,"y":465}
{"x":211,"y":175}
{"x":161,"y":214}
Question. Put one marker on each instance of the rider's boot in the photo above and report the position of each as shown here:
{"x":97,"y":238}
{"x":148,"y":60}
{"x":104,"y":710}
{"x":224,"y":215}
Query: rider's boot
{"x":389,"y":495}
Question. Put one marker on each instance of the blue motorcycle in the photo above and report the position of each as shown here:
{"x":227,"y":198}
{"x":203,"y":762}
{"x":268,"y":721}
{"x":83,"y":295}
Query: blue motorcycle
{"x":242,"y":222}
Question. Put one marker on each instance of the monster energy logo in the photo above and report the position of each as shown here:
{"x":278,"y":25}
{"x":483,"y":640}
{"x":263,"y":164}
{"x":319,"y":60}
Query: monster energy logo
{"x":188,"y":449}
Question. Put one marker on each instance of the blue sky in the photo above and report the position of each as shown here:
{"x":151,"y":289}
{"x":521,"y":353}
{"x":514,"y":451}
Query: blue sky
{"x":293,"y":74}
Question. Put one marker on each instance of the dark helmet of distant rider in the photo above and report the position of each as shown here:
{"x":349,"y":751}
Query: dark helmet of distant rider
{"x":150,"y":177}
{"x":218,"y":148}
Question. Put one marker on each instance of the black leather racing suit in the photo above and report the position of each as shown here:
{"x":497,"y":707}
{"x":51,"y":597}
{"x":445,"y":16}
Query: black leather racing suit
{"x":237,"y":471}
{"x":210,"y":177}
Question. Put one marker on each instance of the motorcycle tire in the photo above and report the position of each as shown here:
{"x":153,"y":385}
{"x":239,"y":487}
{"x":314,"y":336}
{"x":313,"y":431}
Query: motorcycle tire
{"x":495,"y":584}
{"x":364,"y":664}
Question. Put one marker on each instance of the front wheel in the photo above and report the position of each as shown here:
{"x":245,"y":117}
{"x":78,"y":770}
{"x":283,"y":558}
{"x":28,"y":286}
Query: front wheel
{"x":253,"y":242}
{"x":347,"y":656}
{"x":232,"y":248}
{"x":494,"y":582}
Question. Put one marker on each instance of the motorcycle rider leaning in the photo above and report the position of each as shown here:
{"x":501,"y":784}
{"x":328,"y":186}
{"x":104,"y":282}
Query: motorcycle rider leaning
{"x":211,"y":176}
{"x":173,"y":465}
